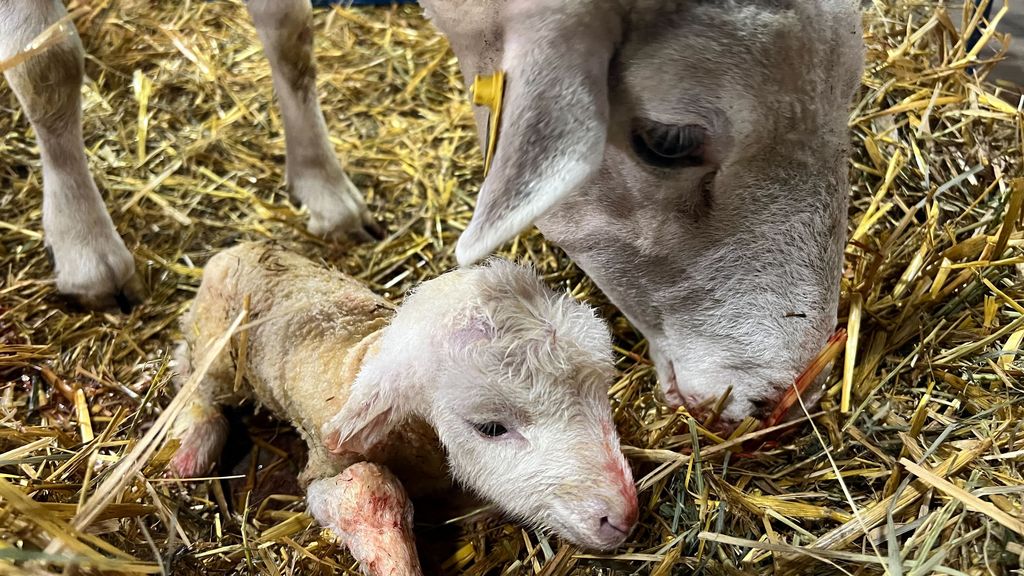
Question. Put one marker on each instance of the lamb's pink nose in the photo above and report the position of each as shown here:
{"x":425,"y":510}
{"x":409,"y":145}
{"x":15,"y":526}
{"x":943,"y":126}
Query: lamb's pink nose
{"x":614,"y":530}
{"x":617,"y":523}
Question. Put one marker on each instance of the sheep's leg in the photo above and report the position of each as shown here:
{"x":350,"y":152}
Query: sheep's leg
{"x":201,"y":430}
{"x":368,"y":509}
{"x":315,"y":176}
{"x":201,"y":427}
{"x":91,"y":261}
{"x":320,"y":463}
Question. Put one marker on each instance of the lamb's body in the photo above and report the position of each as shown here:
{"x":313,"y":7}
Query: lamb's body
{"x":311,"y":329}
{"x":484,"y":377}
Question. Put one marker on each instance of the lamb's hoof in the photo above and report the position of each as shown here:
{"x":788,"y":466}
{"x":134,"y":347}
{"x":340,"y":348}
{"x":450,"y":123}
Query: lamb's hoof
{"x":202,"y":431}
{"x":368,"y":509}
{"x":188,"y":463}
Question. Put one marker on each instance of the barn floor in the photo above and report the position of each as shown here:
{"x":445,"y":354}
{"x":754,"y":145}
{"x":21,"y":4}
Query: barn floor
{"x":922,"y":475}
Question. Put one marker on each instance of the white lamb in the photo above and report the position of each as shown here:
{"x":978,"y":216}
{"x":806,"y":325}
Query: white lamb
{"x":484,"y":378}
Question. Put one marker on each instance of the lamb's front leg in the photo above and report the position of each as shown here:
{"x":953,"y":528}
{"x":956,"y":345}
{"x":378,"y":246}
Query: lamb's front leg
{"x":315,"y":176}
{"x":201,"y":430}
{"x":367,"y":507}
{"x":91,"y":261}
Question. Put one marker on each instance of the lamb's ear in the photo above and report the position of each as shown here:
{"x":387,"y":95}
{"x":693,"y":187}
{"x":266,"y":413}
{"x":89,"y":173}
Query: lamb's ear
{"x":554,"y":118}
{"x":361,"y":424}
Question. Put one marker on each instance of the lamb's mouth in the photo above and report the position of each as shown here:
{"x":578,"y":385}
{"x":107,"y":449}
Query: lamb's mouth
{"x":670,"y":387}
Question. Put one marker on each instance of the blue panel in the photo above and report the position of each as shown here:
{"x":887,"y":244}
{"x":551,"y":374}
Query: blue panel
{"x":323,"y":3}
{"x":976,"y":35}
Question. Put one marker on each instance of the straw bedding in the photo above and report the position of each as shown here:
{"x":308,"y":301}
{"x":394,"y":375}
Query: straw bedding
{"x":920,"y":475}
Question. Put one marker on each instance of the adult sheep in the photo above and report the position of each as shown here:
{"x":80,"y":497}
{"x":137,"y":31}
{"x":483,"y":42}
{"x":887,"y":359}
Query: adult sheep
{"x":689,"y":155}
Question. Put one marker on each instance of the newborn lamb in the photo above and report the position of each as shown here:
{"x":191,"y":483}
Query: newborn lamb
{"x":484,"y":377}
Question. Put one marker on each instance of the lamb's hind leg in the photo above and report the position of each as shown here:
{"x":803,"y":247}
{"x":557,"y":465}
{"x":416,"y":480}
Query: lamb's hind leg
{"x":368,"y":509}
{"x":91,"y":261}
{"x":315,"y":176}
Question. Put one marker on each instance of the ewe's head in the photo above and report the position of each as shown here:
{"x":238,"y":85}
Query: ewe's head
{"x":514,"y":379}
{"x":691,"y":157}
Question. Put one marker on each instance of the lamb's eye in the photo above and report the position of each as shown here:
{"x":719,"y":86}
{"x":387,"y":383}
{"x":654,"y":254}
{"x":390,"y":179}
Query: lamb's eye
{"x":667,"y":145}
{"x":491,"y":429}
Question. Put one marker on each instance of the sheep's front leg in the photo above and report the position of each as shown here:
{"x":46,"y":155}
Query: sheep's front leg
{"x":91,"y":261}
{"x":200,"y":427}
{"x":201,"y":431}
{"x":367,"y":507}
{"x":315,"y":176}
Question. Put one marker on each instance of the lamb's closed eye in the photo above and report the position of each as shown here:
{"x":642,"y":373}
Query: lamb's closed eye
{"x":491,"y":429}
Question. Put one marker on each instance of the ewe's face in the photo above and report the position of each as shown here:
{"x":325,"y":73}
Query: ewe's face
{"x":544,"y":449}
{"x":690,"y":157}
{"x":717,"y":219}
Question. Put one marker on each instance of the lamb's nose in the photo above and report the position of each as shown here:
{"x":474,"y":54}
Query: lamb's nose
{"x":613,"y":532}
{"x":618,"y":523}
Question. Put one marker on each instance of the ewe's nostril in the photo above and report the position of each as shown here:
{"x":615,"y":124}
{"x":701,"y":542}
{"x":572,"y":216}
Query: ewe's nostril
{"x":123,"y":302}
{"x":670,"y":387}
{"x":762,"y":407}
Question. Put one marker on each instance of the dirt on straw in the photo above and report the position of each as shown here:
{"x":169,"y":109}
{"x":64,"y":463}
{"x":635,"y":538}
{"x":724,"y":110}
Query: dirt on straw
{"x":920,"y":474}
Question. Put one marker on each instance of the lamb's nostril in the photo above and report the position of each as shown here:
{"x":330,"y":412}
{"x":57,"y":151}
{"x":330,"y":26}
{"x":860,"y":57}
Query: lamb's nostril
{"x":616,"y":526}
{"x":609,"y":526}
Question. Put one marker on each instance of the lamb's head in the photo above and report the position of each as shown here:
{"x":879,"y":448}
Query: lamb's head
{"x":514,"y":379}
{"x":690,"y":156}
{"x":522,"y":409}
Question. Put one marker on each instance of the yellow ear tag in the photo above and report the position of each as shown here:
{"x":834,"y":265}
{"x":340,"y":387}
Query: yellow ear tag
{"x":488,"y":91}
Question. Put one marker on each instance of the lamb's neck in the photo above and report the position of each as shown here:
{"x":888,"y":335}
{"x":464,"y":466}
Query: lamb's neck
{"x":413,"y":452}
{"x":339,"y":371}
{"x":403,"y":357}
{"x":357,"y":356}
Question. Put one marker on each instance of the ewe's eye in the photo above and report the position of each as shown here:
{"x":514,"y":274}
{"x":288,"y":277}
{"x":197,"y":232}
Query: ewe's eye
{"x":667,"y":145}
{"x":491,"y":429}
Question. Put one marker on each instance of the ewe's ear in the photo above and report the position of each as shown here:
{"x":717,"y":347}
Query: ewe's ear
{"x":554,"y":117}
{"x":362,"y":424}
